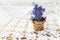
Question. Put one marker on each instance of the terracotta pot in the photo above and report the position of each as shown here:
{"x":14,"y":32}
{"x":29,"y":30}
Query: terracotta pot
{"x":38,"y":25}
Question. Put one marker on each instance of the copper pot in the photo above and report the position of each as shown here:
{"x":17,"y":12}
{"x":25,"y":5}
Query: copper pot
{"x":38,"y":25}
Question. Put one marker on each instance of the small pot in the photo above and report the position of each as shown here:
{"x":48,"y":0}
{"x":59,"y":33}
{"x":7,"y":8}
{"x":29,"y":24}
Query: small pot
{"x":38,"y":25}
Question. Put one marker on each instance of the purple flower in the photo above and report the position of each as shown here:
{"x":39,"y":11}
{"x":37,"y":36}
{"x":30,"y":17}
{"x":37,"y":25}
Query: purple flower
{"x":38,"y":12}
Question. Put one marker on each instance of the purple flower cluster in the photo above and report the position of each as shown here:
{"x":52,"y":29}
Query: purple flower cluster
{"x":38,"y":12}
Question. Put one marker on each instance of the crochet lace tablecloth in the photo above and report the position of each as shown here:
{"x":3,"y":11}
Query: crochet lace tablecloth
{"x":17,"y":28}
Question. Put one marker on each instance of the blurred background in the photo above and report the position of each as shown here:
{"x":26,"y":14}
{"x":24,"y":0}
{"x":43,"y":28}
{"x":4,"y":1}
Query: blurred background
{"x":10,"y":8}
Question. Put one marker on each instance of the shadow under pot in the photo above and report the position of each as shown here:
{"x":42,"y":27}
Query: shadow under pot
{"x":39,"y":25}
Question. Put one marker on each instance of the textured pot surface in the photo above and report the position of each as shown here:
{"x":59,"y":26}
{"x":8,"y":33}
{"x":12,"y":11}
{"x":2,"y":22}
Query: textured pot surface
{"x":38,"y":25}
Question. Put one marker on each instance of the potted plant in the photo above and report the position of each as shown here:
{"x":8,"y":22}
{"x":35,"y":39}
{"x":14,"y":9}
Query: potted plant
{"x":38,"y":20}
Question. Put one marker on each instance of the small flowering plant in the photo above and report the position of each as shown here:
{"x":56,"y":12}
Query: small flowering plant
{"x":38,"y":12}
{"x":38,"y":20}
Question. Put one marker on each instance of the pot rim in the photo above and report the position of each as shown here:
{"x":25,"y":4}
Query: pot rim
{"x":42,"y":19}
